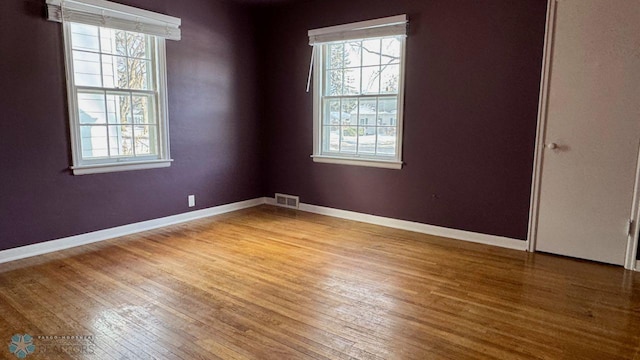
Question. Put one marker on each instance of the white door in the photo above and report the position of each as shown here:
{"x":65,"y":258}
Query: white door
{"x":592,"y":131}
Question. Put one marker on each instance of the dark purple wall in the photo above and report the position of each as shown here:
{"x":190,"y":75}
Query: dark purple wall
{"x":214,"y":129}
{"x":472,"y":83}
{"x":241,"y":125}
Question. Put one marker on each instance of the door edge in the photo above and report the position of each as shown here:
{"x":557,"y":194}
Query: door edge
{"x":543,"y":100}
{"x":630,"y":262}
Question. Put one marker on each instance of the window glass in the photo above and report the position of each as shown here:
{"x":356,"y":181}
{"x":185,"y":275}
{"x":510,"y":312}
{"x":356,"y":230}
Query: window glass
{"x":360,"y":96}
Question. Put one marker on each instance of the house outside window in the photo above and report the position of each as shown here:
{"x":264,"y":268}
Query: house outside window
{"x":358,"y":75}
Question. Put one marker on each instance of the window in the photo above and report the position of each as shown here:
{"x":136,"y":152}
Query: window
{"x":358,"y":74}
{"x":116,"y":83}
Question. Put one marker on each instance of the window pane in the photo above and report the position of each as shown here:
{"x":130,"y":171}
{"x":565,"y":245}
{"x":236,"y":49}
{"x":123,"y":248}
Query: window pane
{"x":387,"y":111}
{"x":113,"y":41}
{"x":349,"y":111}
{"x":145,"y":139}
{"x":122,"y":71}
{"x":109,"y":71}
{"x":371,"y":52}
{"x":332,"y":114}
{"x":86,"y":68}
{"x":390,"y":77}
{"x":325,"y":138}
{"x":390,"y":51}
{"x":334,"y":82}
{"x":330,"y":138}
{"x":84,"y":37}
{"x":114,"y":71}
{"x":371,"y":80}
{"x":388,"y":105}
{"x":120,"y":42}
{"x":143,"y":109}
{"x":348,"y":138}
{"x":91,"y":108}
{"x":351,"y":82}
{"x":386,"y":141}
{"x":139,"y":72}
{"x":118,"y":108}
{"x":366,"y":140}
{"x":120,"y":140}
{"x":107,"y":41}
{"x":137,"y":46}
{"x":352,"y":54}
{"x":367,"y":112}
{"x":336,"y":54}
{"x":93,"y":141}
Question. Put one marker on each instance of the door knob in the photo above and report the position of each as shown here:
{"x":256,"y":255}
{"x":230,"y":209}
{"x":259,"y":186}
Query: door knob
{"x":552,"y":146}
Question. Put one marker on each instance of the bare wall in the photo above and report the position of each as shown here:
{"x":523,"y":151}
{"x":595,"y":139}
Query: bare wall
{"x":241,"y":126}
{"x":212,"y":115}
{"x":472,"y":84}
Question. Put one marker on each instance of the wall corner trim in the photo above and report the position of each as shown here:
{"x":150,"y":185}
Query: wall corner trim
{"x":455,"y":234}
{"x":100,"y":235}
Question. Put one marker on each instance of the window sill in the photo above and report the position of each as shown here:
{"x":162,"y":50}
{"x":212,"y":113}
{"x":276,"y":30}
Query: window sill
{"x":113,"y":167}
{"x":386,"y":164}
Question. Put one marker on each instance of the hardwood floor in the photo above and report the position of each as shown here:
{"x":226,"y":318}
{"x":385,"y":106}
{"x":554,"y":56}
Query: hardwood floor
{"x":269,"y":283}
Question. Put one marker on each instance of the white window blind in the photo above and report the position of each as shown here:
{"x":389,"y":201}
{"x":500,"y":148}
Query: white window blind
{"x":116,"y":16}
{"x":389,"y":26}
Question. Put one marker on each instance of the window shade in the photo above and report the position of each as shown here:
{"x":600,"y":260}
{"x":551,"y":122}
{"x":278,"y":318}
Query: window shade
{"x":116,"y":16}
{"x":389,"y":26}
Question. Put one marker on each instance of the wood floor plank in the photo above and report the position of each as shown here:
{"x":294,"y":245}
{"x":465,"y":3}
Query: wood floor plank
{"x":272,"y":283}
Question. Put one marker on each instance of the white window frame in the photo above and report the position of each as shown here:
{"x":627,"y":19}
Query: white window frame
{"x":106,"y":14}
{"x":370,"y":29}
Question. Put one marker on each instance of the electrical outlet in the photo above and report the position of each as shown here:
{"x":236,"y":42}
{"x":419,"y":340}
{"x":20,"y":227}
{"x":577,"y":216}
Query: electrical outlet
{"x":192,"y":200}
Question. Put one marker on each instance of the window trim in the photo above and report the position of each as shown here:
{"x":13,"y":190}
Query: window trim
{"x":342,"y":31}
{"x":386,"y":164}
{"x":124,"y":166}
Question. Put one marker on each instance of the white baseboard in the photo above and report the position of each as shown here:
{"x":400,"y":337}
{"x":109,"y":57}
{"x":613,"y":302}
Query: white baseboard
{"x":494,"y":240}
{"x":100,"y":235}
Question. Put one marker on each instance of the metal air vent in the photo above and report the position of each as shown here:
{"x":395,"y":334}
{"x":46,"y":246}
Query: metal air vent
{"x":288,"y":201}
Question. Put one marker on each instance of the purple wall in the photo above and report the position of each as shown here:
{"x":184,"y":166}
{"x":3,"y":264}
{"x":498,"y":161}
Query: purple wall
{"x":472,"y":83}
{"x":214,"y":129}
{"x":241,"y":123}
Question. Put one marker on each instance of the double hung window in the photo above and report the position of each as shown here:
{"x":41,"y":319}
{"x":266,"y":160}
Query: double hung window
{"x":116,"y":83}
{"x":358,"y":92}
